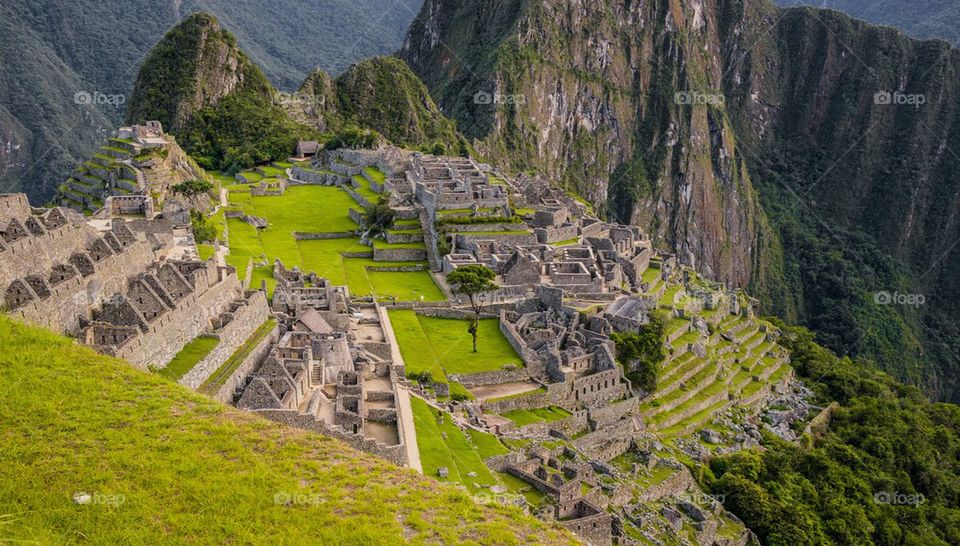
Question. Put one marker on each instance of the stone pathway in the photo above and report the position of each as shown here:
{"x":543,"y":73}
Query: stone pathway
{"x":405,"y":418}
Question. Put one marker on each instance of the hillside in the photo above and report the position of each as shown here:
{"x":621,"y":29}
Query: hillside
{"x":381,"y":93}
{"x":54,"y":49}
{"x":923,"y":19}
{"x":209,"y":94}
{"x":760,"y":157}
{"x":161,"y":464}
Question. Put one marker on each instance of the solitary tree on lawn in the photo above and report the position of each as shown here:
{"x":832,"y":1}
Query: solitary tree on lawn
{"x":472,"y":281}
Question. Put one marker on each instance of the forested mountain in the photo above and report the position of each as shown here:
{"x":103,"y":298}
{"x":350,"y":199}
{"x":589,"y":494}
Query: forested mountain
{"x":799,"y":152}
{"x":56,"y":54}
{"x":920,"y":18}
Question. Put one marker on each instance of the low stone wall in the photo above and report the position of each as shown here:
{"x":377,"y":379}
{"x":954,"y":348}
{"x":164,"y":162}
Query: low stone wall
{"x":249,"y":364}
{"x":404,"y":236}
{"x":307,"y":236}
{"x":493,"y":378}
{"x":398,"y":268}
{"x":536,"y":399}
{"x":674,"y":485}
{"x":611,"y":413}
{"x":232,"y":336}
{"x":571,"y":425}
{"x":364,"y":202}
{"x":355,"y":215}
{"x":396,"y":454}
{"x":399,"y":254}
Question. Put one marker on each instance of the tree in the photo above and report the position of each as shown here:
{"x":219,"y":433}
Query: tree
{"x":641,"y":353}
{"x":472,"y":281}
{"x":379,"y":217}
{"x":192,"y":187}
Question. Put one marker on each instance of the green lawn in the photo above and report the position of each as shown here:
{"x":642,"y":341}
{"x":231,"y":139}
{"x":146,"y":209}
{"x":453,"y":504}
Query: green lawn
{"x":317,"y":209}
{"x":188,"y":357}
{"x":164,"y":465}
{"x":443,"y":346}
{"x":538,"y":415}
{"x":205,"y":251}
{"x":456,"y":452}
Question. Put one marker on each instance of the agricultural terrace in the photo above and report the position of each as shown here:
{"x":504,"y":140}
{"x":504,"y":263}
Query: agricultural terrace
{"x":317,"y":209}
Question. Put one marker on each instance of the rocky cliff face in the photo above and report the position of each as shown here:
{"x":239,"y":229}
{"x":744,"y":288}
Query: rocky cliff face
{"x":622,"y":101}
{"x":785,"y":150}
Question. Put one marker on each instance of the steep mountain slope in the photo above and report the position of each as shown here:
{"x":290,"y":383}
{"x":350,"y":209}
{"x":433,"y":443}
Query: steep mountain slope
{"x":161,"y":464}
{"x":381,"y":93}
{"x":53,"y":50}
{"x":208,"y":94}
{"x":920,"y":18}
{"x":685,"y":117}
{"x":586,"y":94}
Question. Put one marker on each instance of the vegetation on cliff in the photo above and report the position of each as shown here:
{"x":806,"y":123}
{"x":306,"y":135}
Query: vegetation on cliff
{"x":382,"y":94}
{"x":885,"y":471}
{"x":221,"y":107}
{"x":116,"y":455}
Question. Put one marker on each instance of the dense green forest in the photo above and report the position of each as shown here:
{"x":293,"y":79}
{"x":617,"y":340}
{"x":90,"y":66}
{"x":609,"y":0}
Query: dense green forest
{"x":887,"y":470}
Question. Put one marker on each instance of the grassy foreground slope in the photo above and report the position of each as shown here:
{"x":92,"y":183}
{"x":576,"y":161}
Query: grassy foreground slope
{"x":163,"y":464}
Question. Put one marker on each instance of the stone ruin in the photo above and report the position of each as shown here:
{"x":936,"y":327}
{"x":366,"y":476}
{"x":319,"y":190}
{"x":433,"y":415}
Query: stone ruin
{"x":331,"y":370}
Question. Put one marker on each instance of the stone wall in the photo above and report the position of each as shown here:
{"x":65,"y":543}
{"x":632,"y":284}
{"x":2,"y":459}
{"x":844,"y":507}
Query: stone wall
{"x":308,"y":236}
{"x":493,"y":378}
{"x":172,"y":330}
{"x":71,"y":300}
{"x":399,"y":254}
{"x":250,"y":363}
{"x":246,"y":320}
{"x":396,"y":454}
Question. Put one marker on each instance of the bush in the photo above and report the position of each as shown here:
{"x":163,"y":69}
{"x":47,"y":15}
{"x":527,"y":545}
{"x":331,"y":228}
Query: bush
{"x":192,"y":187}
{"x":203,"y":229}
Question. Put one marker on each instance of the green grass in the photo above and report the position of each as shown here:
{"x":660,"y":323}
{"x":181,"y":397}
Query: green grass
{"x":317,"y":209}
{"x":375,"y":174}
{"x":179,"y":468}
{"x":205,"y":251}
{"x":188,"y":357}
{"x":567,"y":242}
{"x":538,"y":415}
{"x":487,"y":445}
{"x":251,"y":176}
{"x":456,"y":452}
{"x":443,"y":346}
{"x":219,"y":377}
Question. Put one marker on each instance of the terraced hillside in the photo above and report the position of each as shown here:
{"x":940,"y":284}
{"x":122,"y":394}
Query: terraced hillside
{"x":714,"y":360}
{"x":121,"y":456}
